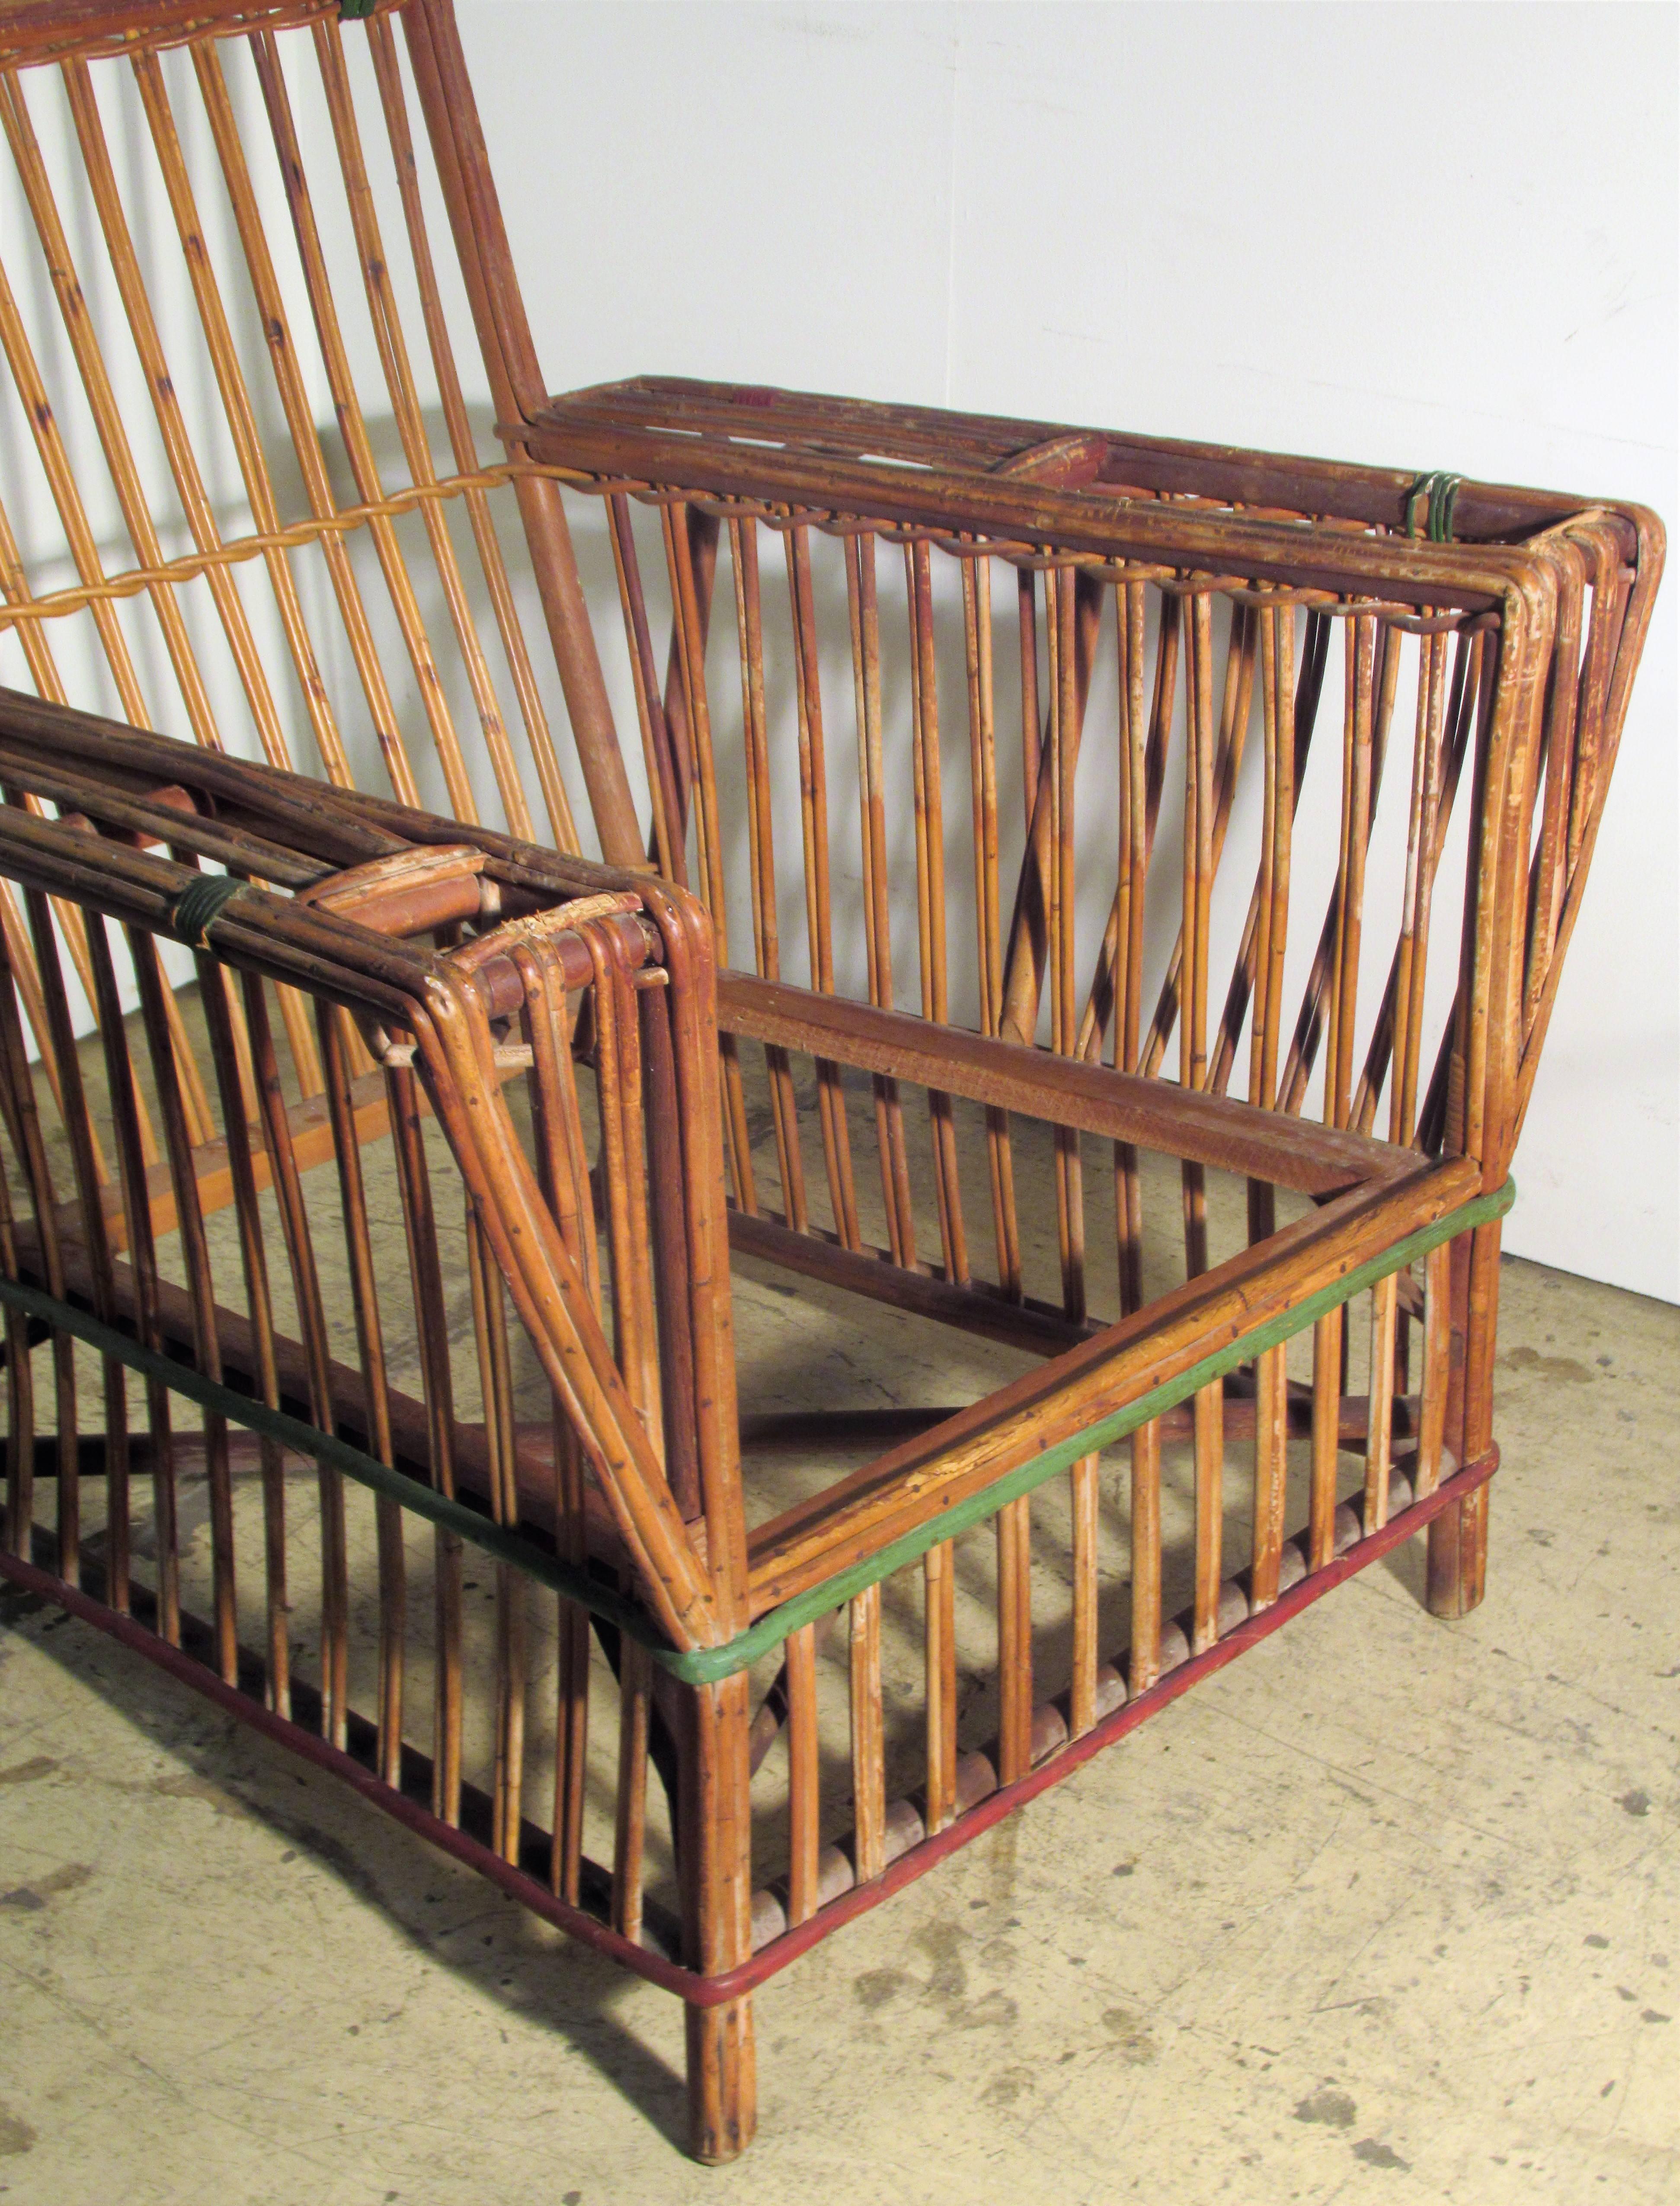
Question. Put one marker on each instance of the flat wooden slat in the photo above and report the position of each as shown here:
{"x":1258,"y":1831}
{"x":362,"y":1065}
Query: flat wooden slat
{"x":67,"y":1516}
{"x":1378,"y":1446}
{"x":1144,"y":1659}
{"x":928,"y":810}
{"x":1015,"y":1639}
{"x":811,"y":423}
{"x":1020,"y":513}
{"x":1197,"y":889}
{"x":804,"y":1774}
{"x":863,"y":616}
{"x":214,"y":987}
{"x":630,"y":1807}
{"x":977,"y":1307}
{"x":983,"y":790}
{"x":690,"y":598}
{"x":939,"y":1588}
{"x":819,"y":902}
{"x":761,"y":854}
{"x":1082,"y":1680}
{"x":1271,"y":1477}
{"x":1326,"y":1401}
{"x":1209,"y":1426}
{"x":1437,"y":1366}
{"x":1095,"y":1098}
{"x":869,"y":1769}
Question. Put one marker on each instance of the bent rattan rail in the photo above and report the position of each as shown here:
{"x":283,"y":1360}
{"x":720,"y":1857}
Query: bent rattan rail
{"x":373,"y":1176}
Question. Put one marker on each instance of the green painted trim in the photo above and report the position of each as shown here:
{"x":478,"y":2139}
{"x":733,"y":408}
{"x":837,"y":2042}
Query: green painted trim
{"x":1441,"y":489}
{"x":715,"y":1662}
{"x":495,"y":1540}
{"x":707,"y":1665}
{"x":200,"y":901}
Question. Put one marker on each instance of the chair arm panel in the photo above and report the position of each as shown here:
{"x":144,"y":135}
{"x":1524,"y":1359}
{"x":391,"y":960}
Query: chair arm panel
{"x":1061,"y":1408}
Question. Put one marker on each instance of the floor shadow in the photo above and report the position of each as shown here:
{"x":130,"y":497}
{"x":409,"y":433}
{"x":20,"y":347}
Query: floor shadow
{"x":457,"y":1919}
{"x":1408,"y":1565}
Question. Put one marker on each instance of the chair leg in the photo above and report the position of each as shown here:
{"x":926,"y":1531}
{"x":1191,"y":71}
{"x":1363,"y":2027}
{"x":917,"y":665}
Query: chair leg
{"x":723,"y":2083}
{"x":1457,"y":1577}
{"x":715,"y":1869}
{"x":1458,"y":1556}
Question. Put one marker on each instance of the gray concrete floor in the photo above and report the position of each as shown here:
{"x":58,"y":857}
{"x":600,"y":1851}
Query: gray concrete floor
{"x":1387,"y":1909}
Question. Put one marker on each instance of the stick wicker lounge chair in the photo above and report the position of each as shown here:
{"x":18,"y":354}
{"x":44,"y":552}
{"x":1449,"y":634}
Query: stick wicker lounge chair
{"x":1100,"y":894}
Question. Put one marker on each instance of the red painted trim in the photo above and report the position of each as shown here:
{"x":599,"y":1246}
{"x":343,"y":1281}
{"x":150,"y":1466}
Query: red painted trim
{"x":712,"y":1991}
{"x":996,"y":1805}
{"x":312,"y":1748}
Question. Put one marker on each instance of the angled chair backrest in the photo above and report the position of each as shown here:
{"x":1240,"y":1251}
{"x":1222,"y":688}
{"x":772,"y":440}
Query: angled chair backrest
{"x":1383,"y":845}
{"x":250,"y":253}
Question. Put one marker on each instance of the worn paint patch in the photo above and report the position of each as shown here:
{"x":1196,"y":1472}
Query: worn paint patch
{"x":1008,"y":2086}
{"x":996,"y":2010}
{"x":1132,"y":2038}
{"x":1335,"y":2107}
{"x":30,"y":1771}
{"x":1378,"y":2156}
{"x":187,"y":1786}
{"x":28,"y":1898}
{"x":16,"y":2134}
{"x":875,"y":1987}
{"x":1545,"y":1367}
{"x":943,"y":1942}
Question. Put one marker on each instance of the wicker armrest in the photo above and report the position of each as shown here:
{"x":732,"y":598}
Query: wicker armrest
{"x":741,"y":436}
{"x":889,"y":1510}
{"x":1567,"y":586}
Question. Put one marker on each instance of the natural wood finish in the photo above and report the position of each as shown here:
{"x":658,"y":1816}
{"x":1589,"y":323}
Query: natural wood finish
{"x":1082,"y":1684}
{"x":940,"y":1589}
{"x":868,"y":1775}
{"x":1209,"y":1432}
{"x":804,"y":1775}
{"x":1145,"y":1663}
{"x":1270,"y":1475}
{"x":1015,"y":1639}
{"x":1092,"y":1098}
{"x":531,"y":1067}
{"x":913,"y":1483}
{"x":1437,"y":1357}
{"x":1326,"y":1394}
{"x":1378,"y":1446}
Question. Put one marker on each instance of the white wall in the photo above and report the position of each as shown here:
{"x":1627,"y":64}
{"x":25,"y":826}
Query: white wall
{"x":1422,"y":236}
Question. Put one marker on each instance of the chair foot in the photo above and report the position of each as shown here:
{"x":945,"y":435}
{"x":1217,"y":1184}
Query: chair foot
{"x":1458,"y":1556}
{"x":722,"y":2081}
